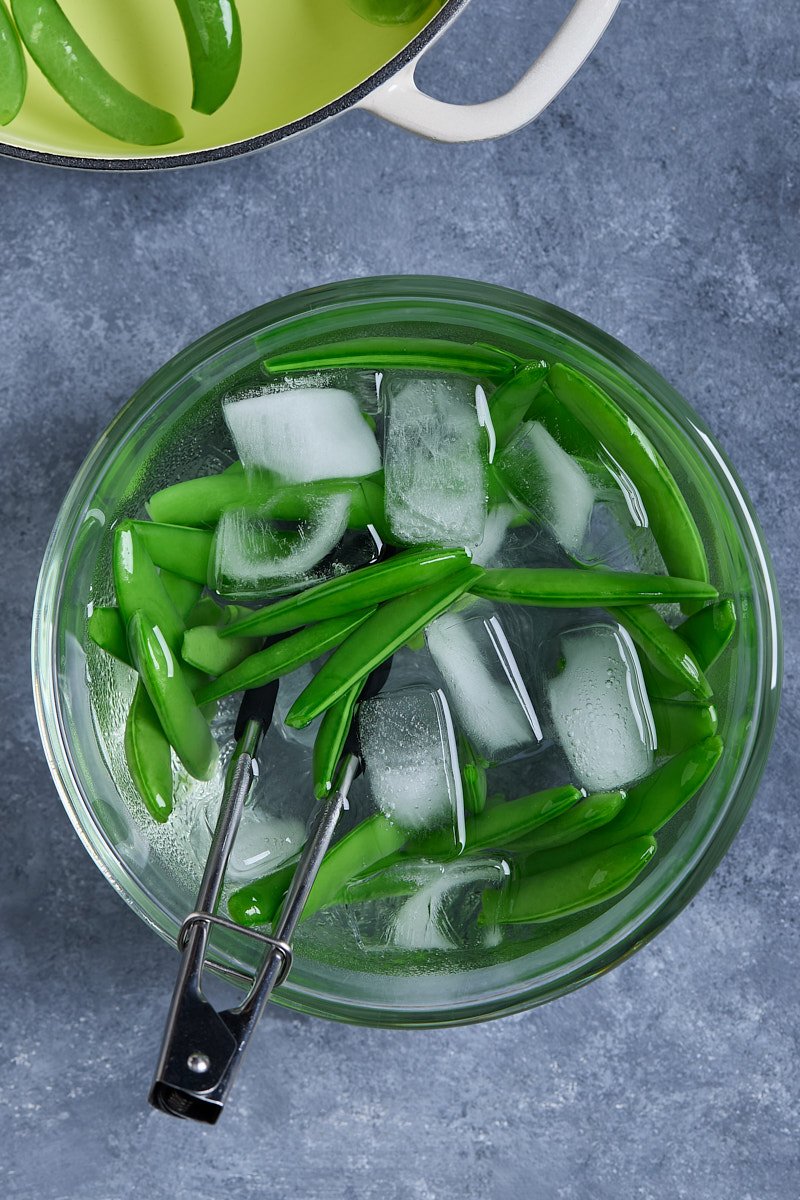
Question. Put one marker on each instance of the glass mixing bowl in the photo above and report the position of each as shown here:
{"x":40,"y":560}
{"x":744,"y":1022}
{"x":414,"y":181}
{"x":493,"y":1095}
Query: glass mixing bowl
{"x":114,"y":479}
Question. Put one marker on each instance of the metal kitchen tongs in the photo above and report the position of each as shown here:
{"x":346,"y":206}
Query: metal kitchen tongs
{"x":203,"y":1046}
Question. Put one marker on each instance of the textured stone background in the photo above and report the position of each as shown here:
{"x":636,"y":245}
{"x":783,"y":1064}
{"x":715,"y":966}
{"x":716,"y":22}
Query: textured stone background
{"x":657,"y":198}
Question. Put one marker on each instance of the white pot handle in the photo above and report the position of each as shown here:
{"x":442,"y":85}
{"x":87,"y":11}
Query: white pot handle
{"x":401,"y":102}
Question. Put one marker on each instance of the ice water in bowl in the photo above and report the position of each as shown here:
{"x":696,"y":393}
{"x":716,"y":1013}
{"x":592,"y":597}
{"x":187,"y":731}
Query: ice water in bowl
{"x":505,"y":537}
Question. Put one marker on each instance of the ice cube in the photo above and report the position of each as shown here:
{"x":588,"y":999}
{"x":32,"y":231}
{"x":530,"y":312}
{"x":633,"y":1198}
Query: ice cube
{"x":495,"y":529}
{"x":553,"y":485}
{"x":253,"y":556}
{"x":599,"y":707}
{"x":263,"y":844}
{"x":483,"y":683}
{"x":435,"y":462}
{"x":410,"y":759}
{"x":289,"y":689}
{"x":425,"y":906}
{"x":302,"y":433}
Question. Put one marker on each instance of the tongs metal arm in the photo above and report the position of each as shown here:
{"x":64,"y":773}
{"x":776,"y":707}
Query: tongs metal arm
{"x":203,"y":1046}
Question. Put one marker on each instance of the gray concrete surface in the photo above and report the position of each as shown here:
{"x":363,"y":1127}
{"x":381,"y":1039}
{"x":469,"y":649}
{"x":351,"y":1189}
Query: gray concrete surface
{"x":658,"y":198}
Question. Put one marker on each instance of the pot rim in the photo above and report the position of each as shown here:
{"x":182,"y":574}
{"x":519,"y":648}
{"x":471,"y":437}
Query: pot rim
{"x":436,"y":26}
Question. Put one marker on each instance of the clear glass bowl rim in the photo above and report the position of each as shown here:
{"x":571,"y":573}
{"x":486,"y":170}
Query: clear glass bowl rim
{"x":480,"y":296}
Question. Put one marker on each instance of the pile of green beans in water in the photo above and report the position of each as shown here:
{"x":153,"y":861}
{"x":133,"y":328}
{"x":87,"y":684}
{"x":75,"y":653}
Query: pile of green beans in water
{"x":213,"y":32}
{"x":567,"y":851}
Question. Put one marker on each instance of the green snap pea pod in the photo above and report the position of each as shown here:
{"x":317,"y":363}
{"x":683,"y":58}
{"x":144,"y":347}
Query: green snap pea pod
{"x":649,"y":805}
{"x":671,"y":521}
{"x":706,"y":634}
{"x":590,"y":813}
{"x":562,"y":587}
{"x":681,"y":724}
{"x":373,"y":494}
{"x":565,"y":429}
{"x":473,"y":778}
{"x":13,"y":72}
{"x":176,"y":548}
{"x":205,"y":649}
{"x":284,"y":656}
{"x":139,"y":586}
{"x":382,"y":581}
{"x":353,"y":855}
{"x":708,"y":631}
{"x":148,"y":755}
{"x":69,"y":65}
{"x":500,"y":825}
{"x":205,"y":612}
{"x":665,"y":649}
{"x":107,"y":627}
{"x":107,"y":630}
{"x":512,"y":400}
{"x":330,"y":740}
{"x":388,"y":628}
{"x":570,"y":889}
{"x":214,"y":39}
{"x":181,"y":720}
{"x":184,"y":593}
{"x":397,"y":354}
{"x":201,"y":502}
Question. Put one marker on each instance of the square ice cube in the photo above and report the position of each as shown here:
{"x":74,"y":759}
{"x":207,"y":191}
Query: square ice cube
{"x":484,"y":683}
{"x":599,"y":708}
{"x":435,"y":462}
{"x":411,"y":760}
{"x":302,"y":434}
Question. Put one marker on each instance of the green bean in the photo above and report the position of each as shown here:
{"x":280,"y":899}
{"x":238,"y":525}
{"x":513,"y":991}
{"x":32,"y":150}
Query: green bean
{"x":177,"y":548}
{"x":13,"y":72}
{"x":384,"y":580}
{"x":205,"y":649}
{"x":201,"y":502}
{"x":649,"y":806}
{"x":148,"y":755}
{"x":512,"y":400}
{"x":570,"y":889}
{"x":214,"y":38}
{"x":681,"y":724}
{"x":668,"y":513}
{"x":330,"y":740}
{"x":139,"y":586}
{"x":473,"y":777}
{"x":283,"y":657}
{"x":590,"y":813}
{"x":706,"y":634}
{"x":184,"y":593}
{"x":69,"y":65}
{"x":665,"y":649}
{"x":498,"y":826}
{"x":205,"y":612}
{"x":385,"y":883}
{"x":369,"y":843}
{"x":181,"y":720}
{"x":376,"y":640}
{"x":106,"y":628}
{"x":397,"y":354}
{"x":559,"y":587}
